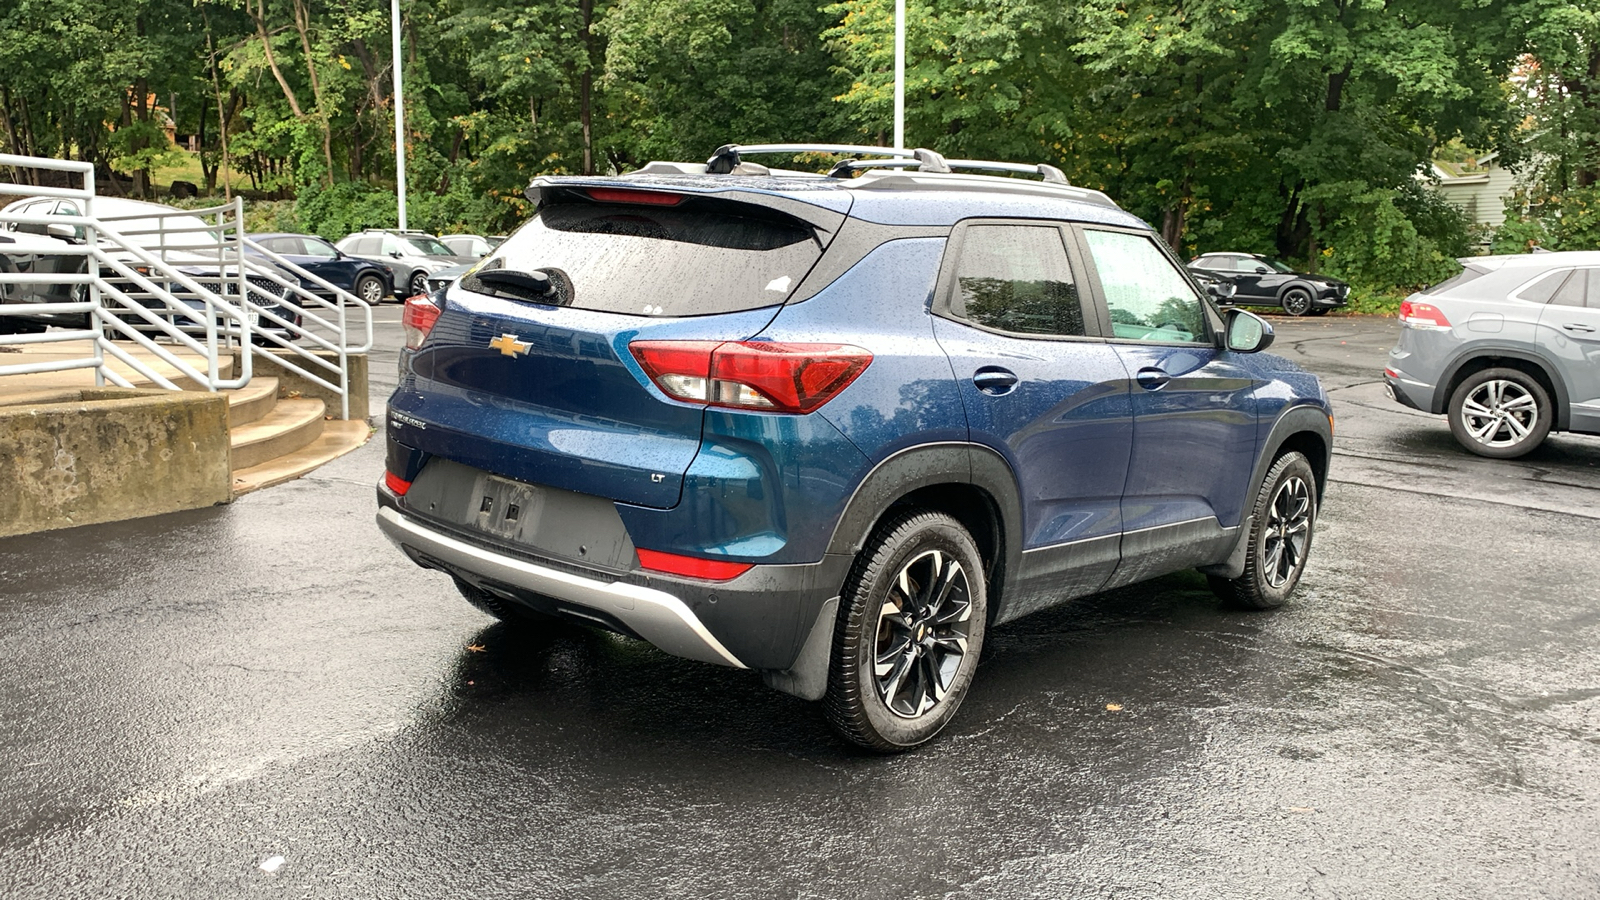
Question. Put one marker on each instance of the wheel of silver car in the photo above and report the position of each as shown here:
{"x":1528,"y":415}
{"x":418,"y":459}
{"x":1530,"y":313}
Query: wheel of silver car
{"x":1297,"y":301}
{"x":1282,"y":522}
{"x":418,"y":283}
{"x":911,"y":625}
{"x":1500,"y":413}
{"x":370,"y":289}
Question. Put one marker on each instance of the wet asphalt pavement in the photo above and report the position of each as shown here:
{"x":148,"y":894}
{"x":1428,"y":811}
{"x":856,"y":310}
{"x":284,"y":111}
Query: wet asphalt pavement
{"x":184,"y":698}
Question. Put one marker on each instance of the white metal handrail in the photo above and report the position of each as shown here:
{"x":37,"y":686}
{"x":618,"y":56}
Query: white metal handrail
{"x":190,"y":278}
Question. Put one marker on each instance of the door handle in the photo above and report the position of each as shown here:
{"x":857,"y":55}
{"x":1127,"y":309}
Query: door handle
{"x":1152,"y":379}
{"x":1574,"y":326}
{"x":995,"y":381}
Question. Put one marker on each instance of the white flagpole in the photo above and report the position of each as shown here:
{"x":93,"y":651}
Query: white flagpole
{"x":899,"y":74}
{"x":399,"y":116}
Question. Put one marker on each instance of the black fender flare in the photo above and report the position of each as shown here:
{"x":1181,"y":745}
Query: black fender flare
{"x":1298,"y":283}
{"x":1476,"y":351}
{"x":927,"y":465}
{"x":1298,"y":419}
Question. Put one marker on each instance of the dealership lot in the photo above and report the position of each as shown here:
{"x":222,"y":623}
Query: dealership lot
{"x":187,"y":698}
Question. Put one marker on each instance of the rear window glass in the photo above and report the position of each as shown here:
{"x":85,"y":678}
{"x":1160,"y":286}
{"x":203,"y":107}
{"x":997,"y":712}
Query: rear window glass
{"x":1542,"y":290}
{"x":1465,"y":275}
{"x":700,"y":258}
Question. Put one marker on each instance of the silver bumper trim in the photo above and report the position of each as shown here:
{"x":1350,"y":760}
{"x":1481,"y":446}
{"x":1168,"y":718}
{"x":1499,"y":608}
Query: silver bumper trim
{"x":656,"y":616}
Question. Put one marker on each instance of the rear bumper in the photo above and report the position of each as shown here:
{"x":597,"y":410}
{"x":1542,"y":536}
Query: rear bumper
{"x":654,"y":615}
{"x":1407,"y":391}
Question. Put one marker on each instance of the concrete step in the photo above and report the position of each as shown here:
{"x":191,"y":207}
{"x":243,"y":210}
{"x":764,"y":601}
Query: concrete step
{"x":337,"y":439}
{"x":290,"y":425}
{"x":252,"y":402}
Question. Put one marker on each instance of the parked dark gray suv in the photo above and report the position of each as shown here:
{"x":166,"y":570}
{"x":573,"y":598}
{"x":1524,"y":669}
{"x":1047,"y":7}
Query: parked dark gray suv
{"x":1509,"y":349}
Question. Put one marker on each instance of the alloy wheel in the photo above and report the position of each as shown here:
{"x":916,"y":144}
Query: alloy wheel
{"x":1499,"y":413}
{"x":1287,"y":531}
{"x":371,"y":290}
{"x":1297,"y":302}
{"x":922,"y":633}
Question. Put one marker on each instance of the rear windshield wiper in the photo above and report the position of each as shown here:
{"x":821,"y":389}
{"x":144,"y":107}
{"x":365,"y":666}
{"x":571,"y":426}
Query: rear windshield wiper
{"x":535,"y":286}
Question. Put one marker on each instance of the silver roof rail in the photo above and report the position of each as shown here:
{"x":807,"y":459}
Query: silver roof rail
{"x":1051,"y":174}
{"x":729,"y":156}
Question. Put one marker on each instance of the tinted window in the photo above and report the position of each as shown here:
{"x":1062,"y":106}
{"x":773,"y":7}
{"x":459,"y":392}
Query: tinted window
{"x":320,"y":249}
{"x":1542,"y":290}
{"x":1572,"y":290}
{"x":389,"y":245}
{"x":1148,"y":298}
{"x":701,"y":257}
{"x":1015,"y":278}
{"x":1594,"y":288}
{"x":427,"y":246}
{"x":283,"y":245}
{"x":1216,"y":263}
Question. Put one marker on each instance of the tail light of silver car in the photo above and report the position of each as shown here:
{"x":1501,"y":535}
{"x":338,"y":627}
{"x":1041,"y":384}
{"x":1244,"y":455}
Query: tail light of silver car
{"x":1422,"y":315}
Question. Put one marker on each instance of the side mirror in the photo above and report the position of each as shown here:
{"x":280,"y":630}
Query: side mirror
{"x":1248,"y":332}
{"x":1262,"y":270}
{"x":395,"y":254}
{"x":68,"y":233}
{"x":1222,"y":290}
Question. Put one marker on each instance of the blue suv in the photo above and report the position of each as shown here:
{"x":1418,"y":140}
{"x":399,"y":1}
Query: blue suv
{"x":835,"y":427}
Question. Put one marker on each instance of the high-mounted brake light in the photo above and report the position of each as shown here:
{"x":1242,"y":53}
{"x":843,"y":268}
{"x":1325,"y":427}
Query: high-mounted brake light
{"x":761,"y":375}
{"x":620,"y":195}
{"x":692,"y":566}
{"x":418,"y":318}
{"x":1422,"y":315}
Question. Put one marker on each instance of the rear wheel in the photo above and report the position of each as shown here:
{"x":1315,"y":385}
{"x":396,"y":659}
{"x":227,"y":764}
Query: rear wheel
{"x":1284,"y":518}
{"x":1500,"y":413}
{"x":1297,"y":301}
{"x":911,"y":625}
{"x":370,"y":289}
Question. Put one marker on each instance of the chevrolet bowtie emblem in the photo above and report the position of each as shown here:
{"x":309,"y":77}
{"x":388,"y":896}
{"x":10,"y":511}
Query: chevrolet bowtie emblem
{"x":508,"y":345}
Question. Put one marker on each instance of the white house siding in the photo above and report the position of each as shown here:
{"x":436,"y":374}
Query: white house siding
{"x":1481,"y":196}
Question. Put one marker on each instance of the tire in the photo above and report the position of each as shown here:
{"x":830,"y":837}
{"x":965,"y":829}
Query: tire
{"x":935,"y":648}
{"x":1297,"y":301}
{"x":504,"y":610}
{"x":1500,"y":413}
{"x":370,"y":289}
{"x":1284,"y":519}
{"x":418,"y":284}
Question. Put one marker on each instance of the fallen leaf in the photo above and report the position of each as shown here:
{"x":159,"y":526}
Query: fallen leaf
{"x":475,"y":648}
{"x":1113,"y":707}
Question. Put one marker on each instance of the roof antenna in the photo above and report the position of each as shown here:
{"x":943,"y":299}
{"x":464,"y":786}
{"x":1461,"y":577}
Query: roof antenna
{"x":724,"y":161}
{"x":931,"y":162}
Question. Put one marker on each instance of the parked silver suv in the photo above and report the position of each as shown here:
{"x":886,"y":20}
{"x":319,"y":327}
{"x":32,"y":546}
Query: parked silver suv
{"x":410,"y":255}
{"x":1509,"y":349}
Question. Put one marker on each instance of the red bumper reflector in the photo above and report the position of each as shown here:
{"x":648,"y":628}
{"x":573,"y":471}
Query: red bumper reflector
{"x":691,"y":566}
{"x":394,"y":483}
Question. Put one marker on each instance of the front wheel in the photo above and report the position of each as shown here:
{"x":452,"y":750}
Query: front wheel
{"x":418,"y":284}
{"x":1283,"y":520}
{"x":1297,"y":301}
{"x":1500,"y":413}
{"x":911,"y":625}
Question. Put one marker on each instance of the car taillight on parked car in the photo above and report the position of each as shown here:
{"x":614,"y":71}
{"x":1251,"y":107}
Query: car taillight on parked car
{"x":418,"y":318}
{"x":1422,"y":315}
{"x":761,"y":375}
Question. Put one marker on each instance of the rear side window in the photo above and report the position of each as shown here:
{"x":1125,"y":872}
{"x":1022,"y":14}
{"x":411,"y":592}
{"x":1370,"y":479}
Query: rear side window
{"x":701,"y":257}
{"x":1542,"y":290}
{"x":1572,"y":290}
{"x":1015,"y":278}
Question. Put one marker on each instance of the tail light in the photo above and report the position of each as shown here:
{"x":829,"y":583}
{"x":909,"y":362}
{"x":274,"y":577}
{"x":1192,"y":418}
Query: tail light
{"x":759,"y":375}
{"x":692,"y":566}
{"x":630,"y":195}
{"x":1422,"y":315}
{"x":418,"y":318}
{"x":396,"y":483}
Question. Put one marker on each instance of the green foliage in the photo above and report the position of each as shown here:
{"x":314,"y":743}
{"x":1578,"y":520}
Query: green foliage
{"x":1566,"y":221}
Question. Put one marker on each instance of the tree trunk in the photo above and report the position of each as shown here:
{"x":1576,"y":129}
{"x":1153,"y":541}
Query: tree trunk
{"x":585,"y":85}
{"x":259,"y":15}
{"x":302,"y":25}
{"x":141,"y":105}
